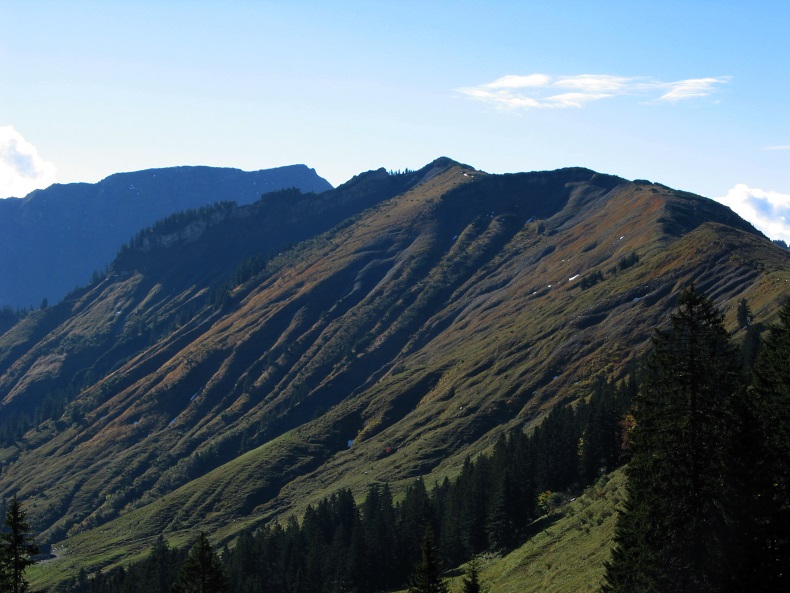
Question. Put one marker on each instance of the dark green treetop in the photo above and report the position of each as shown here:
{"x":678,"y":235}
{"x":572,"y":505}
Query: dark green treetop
{"x":764,"y":512}
{"x":202,"y":571}
{"x":672,"y":535}
{"x":427,"y":575}
{"x":470,"y":582}
{"x":15,"y":549}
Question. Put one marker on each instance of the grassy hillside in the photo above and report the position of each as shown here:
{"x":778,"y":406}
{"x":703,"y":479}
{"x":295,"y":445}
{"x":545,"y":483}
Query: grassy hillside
{"x":420,"y":317}
{"x":567,"y":555}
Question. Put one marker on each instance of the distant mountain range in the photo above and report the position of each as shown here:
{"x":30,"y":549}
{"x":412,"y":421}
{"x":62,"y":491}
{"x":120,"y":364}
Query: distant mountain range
{"x":54,"y":239}
{"x":238,"y":362}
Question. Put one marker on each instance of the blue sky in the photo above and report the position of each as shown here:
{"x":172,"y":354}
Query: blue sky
{"x":691,"y":94}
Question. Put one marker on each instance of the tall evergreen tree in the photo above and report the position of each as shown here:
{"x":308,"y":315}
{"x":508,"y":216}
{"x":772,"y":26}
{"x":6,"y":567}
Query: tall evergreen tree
{"x":745,"y":316}
{"x":673,"y":534}
{"x":427,"y":574}
{"x":15,"y":549}
{"x":765,"y":471}
{"x":416,"y":519}
{"x":501,"y":530}
{"x":158,"y":569}
{"x":379,"y":538}
{"x":202,"y":571}
{"x":470,"y":582}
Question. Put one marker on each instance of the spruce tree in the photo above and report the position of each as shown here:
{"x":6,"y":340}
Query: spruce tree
{"x":745,"y":316}
{"x":673,"y":534}
{"x":15,"y":550}
{"x":202,"y":571}
{"x":427,"y":574}
{"x":501,"y":531}
{"x":379,"y":539}
{"x":764,"y":518}
{"x":158,"y":572}
{"x":470,"y":582}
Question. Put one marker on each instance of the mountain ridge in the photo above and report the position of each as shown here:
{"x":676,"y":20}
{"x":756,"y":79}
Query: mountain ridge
{"x":445,"y":310}
{"x":54,"y":239}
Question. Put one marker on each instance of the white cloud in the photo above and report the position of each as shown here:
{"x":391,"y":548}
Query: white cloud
{"x":780,"y":147}
{"x":513,"y":81}
{"x":21,"y":168}
{"x":693,"y":87}
{"x":573,"y":99}
{"x":595,"y":83}
{"x":539,"y":91}
{"x":768,"y":211}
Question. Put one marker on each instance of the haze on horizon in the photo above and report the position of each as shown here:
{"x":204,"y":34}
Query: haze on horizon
{"x":677,"y":92}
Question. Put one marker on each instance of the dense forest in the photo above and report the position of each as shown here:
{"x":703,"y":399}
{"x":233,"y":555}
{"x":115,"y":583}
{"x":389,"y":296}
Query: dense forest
{"x":704,"y":429}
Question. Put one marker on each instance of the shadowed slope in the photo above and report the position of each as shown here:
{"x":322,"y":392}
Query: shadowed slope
{"x":55,"y":238}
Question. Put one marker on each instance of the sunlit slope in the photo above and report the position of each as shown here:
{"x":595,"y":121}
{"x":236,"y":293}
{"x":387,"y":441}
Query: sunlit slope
{"x":405,"y":338}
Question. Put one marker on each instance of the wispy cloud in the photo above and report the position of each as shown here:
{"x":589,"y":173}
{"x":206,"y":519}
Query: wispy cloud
{"x":514,"y":81}
{"x":780,"y":147}
{"x":21,"y":168}
{"x":693,"y":87}
{"x":768,"y":211}
{"x":542,"y":91}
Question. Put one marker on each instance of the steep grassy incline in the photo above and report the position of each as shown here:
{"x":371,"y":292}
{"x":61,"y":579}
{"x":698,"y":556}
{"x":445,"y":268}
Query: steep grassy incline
{"x":408,"y":336}
{"x":567,"y":552}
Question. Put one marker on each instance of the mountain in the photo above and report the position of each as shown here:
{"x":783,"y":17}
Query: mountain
{"x":239,"y":362}
{"x":54,"y":239}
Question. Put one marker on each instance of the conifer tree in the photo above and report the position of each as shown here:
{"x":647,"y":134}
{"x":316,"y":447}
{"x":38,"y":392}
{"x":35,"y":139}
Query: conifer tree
{"x":673,"y":533}
{"x":416,"y":518}
{"x":470,"y":582}
{"x":745,"y":316}
{"x":501,"y":531}
{"x":15,"y":550}
{"x":158,"y":572}
{"x":378,"y":536}
{"x":764,"y":519}
{"x":202,"y":571}
{"x":427,"y":575}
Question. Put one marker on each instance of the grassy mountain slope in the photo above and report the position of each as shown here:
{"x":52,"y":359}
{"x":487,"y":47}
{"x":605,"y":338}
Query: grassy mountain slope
{"x":429,"y":313}
{"x":567,"y":554}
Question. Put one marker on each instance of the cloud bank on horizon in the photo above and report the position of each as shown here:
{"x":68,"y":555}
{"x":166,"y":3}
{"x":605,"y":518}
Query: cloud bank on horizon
{"x":541,"y":91}
{"x":21,"y":167}
{"x":768,"y":211}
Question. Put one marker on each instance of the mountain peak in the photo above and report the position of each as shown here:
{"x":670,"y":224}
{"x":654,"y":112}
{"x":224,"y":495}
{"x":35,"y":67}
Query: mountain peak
{"x":443,"y":163}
